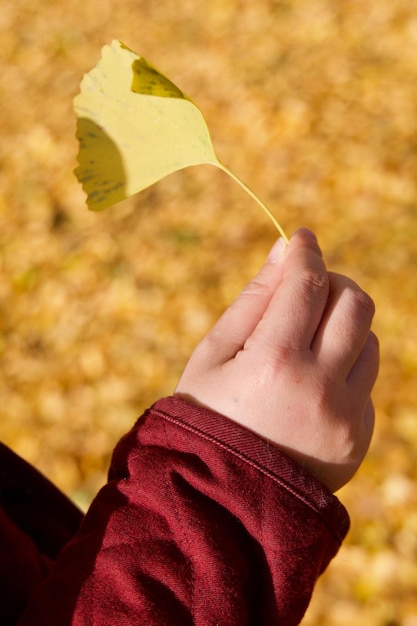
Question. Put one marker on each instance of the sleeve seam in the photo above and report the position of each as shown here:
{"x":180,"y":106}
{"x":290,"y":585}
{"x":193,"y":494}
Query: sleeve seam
{"x":243,"y":457}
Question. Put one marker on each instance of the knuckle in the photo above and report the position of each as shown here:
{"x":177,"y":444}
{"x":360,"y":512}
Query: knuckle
{"x":256,"y":287}
{"x":313,"y":282}
{"x":364,"y":303}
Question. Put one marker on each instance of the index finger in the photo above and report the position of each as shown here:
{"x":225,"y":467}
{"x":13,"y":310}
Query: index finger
{"x":296,"y":309}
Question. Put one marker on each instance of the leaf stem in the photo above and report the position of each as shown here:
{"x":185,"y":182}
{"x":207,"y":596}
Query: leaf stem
{"x":255,"y":197}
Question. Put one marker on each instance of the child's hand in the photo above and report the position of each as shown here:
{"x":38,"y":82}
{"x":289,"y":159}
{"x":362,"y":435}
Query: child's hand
{"x":294,"y":360}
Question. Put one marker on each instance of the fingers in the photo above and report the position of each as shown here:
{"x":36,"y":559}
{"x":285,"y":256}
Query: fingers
{"x":294,"y":304}
{"x":296,"y":309}
{"x":238,"y":322}
{"x":345,"y":326}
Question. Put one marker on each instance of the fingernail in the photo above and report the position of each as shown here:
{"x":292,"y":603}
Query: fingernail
{"x":277,"y":250}
{"x":307,"y":233}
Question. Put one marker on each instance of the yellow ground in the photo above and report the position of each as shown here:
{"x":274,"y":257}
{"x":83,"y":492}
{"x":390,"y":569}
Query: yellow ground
{"x":314,"y":104}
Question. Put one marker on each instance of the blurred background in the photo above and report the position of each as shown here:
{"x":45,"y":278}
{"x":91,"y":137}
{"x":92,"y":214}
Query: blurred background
{"x":313,"y":104}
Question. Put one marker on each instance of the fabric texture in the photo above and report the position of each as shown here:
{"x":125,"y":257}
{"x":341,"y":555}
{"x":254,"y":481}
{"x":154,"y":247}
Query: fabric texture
{"x":201,"y":523}
{"x":36,"y":521}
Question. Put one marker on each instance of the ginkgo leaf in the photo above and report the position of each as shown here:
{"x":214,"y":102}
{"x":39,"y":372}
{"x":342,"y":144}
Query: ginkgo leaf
{"x":134,"y":128}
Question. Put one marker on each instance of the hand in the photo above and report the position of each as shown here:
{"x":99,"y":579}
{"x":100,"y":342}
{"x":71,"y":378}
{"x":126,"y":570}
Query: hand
{"x":294,"y":360}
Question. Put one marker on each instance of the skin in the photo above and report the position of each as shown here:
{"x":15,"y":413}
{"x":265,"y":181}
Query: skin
{"x":294,"y":360}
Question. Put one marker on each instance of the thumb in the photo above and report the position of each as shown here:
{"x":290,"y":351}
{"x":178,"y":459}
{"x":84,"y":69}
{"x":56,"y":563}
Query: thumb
{"x":238,"y":322}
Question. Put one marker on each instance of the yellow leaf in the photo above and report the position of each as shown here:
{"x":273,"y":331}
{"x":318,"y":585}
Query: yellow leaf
{"x":135,"y":127}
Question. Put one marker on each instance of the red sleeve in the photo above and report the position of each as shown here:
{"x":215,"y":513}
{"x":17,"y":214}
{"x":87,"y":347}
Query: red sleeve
{"x":201,"y":523}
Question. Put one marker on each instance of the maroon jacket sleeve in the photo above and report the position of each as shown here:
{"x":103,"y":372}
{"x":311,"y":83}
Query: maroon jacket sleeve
{"x":201,"y":523}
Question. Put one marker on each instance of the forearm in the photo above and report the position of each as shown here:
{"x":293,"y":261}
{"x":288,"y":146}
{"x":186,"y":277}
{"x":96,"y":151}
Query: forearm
{"x":202,"y":523}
